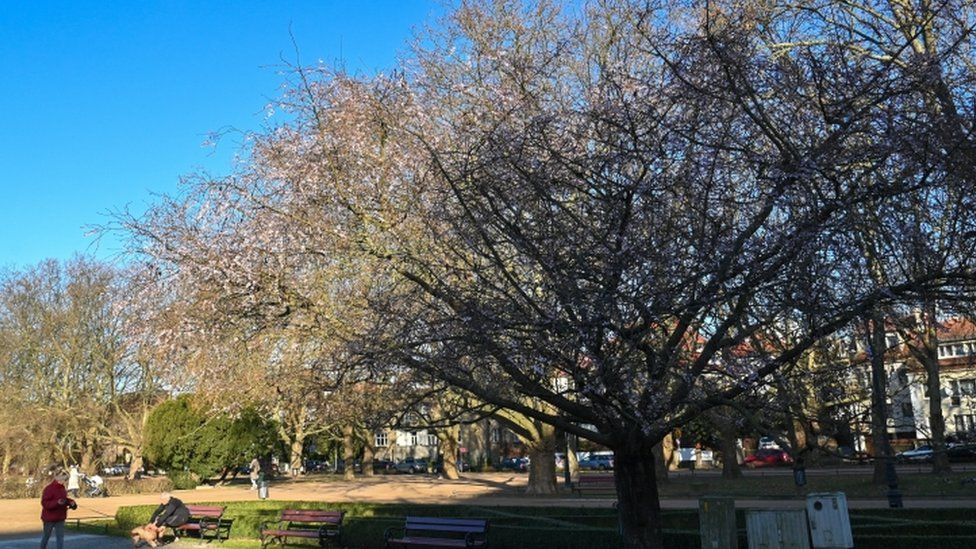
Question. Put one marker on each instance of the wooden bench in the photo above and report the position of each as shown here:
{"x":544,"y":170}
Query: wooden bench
{"x":595,"y":485}
{"x":325,"y":526}
{"x":439,"y":532}
{"x":207,"y":521}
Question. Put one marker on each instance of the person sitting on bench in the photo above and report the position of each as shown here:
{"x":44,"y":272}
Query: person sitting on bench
{"x":170,"y":513}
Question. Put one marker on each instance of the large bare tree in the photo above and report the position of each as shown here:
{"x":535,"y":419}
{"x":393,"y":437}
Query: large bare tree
{"x":583,"y":212}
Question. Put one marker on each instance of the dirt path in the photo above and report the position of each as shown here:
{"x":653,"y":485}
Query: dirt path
{"x":23,"y":515}
{"x":488,"y":489}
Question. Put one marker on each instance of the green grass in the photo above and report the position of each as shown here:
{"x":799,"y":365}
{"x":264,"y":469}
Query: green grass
{"x":570,"y":528}
{"x":855,"y":486}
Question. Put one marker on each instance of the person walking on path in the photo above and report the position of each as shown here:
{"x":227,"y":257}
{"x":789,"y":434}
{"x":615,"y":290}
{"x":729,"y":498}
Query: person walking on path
{"x":73,"y":478}
{"x":54,"y":509}
{"x":255,"y":473}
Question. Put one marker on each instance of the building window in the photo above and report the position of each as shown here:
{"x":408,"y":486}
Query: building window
{"x":903,"y":376}
{"x":892,"y":341}
{"x":413,"y":438}
{"x":967,"y":387}
{"x":965,"y":423}
{"x":381,"y":440}
{"x":494,"y":434}
{"x":431,"y":439}
{"x":906,"y":409}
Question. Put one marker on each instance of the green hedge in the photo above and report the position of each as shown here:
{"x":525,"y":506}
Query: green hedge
{"x":145,"y":485}
{"x":571,"y":528}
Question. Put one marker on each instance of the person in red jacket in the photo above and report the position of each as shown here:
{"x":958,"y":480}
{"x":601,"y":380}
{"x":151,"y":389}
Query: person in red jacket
{"x":54,"y":509}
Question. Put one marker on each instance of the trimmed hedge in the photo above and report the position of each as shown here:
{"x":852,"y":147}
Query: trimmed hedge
{"x":145,"y":485}
{"x":16,"y":487}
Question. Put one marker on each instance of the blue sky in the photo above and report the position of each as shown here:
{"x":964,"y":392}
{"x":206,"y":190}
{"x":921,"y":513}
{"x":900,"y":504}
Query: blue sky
{"x":105,"y":102}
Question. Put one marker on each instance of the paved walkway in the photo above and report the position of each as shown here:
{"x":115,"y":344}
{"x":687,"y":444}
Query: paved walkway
{"x":74,"y":540}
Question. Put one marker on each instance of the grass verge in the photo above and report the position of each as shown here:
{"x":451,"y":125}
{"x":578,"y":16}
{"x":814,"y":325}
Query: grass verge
{"x":513,"y":527}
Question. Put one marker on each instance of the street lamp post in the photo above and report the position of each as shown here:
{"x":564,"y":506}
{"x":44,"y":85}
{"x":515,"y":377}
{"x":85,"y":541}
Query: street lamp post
{"x":894,"y":494}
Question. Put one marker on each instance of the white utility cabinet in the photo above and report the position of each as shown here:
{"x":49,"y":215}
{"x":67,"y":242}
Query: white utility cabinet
{"x":830,"y":525}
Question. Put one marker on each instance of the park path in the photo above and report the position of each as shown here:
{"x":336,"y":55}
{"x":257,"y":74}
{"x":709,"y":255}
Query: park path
{"x":22,"y":516}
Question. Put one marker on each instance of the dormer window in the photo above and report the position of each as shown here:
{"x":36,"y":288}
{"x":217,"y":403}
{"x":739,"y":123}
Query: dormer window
{"x":957,"y":349}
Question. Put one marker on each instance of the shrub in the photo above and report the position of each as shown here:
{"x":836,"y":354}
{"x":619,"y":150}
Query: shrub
{"x":183,"y":480}
{"x":145,"y":485}
{"x":18,"y":487}
{"x":128,"y":518}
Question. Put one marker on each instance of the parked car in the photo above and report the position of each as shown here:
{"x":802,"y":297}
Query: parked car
{"x":462,"y":466}
{"x":768,"y":456}
{"x":520,"y":464}
{"x":849,"y":455}
{"x":115,"y":470}
{"x":767,"y":443}
{"x":412,"y":465}
{"x":918,"y":455}
{"x":597,"y":462}
{"x":383,"y":466}
{"x":357,"y":466}
{"x":316,"y":466}
{"x":962,"y":452}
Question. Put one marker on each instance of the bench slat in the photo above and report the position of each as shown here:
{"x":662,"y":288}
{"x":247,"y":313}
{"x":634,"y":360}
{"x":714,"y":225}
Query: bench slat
{"x":445,"y":528}
{"x":311,"y":517}
{"x":205,"y":508}
{"x":299,"y":533}
{"x":303,"y":523}
{"x":422,"y":531}
{"x":447,"y":521}
{"x":437,"y":542}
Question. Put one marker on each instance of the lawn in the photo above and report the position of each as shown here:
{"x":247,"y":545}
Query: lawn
{"x":855,"y":486}
{"x":513,"y":527}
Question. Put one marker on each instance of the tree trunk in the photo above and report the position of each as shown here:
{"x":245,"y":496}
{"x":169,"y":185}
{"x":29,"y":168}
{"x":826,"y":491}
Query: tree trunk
{"x":135,"y":465}
{"x":7,"y":460}
{"x":637,"y":499}
{"x":448,"y":438}
{"x":88,"y":463}
{"x":933,"y":388}
{"x":368,"y":454}
{"x":572,"y":461}
{"x":90,"y":445}
{"x":730,"y":456}
{"x":348,"y":453}
{"x":940,"y":459}
{"x":295,"y":456}
{"x":660,"y":466}
{"x":542,"y":460}
{"x":223,"y":475}
{"x":879,"y":397}
{"x":542,"y":470}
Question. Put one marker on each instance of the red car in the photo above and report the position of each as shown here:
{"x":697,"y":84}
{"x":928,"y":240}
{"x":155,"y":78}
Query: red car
{"x":768,"y":456}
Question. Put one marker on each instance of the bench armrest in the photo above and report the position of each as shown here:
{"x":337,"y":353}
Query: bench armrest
{"x":471,"y":539}
{"x":329,"y":530}
{"x":388,"y":534}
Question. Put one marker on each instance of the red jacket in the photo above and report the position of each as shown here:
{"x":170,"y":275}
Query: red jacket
{"x":51,"y":508}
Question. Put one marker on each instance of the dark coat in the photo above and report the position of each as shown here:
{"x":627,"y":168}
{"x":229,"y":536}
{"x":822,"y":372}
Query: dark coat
{"x":173,"y":513}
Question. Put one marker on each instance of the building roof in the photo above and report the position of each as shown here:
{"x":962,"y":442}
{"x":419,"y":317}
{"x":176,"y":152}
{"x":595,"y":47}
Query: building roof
{"x":956,"y":329}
